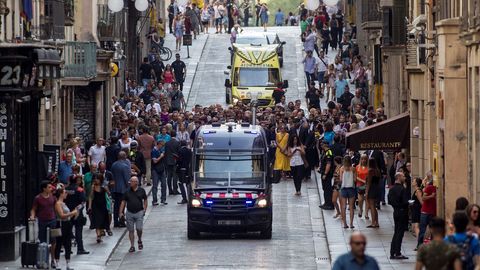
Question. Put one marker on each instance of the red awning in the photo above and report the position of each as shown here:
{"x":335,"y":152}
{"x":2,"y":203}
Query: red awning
{"x":391,"y":134}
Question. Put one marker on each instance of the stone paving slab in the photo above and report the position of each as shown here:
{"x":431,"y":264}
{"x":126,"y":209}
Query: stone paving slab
{"x":378,"y":240}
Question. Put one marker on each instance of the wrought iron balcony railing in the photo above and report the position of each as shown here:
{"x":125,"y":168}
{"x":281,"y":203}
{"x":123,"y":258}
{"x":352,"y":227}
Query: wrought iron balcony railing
{"x":80,"y":60}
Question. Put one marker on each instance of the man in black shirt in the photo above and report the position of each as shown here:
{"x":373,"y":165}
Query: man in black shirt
{"x":346,"y":100}
{"x":135,"y":199}
{"x":326,"y":170}
{"x":146,"y":71}
{"x":111,"y":152}
{"x":179,"y":70}
{"x":76,"y":200}
{"x":313,"y":96}
{"x":171,"y":15}
{"x":398,"y":199}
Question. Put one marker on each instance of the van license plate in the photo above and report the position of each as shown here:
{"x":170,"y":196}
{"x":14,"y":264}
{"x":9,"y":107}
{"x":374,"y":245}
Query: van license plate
{"x":229,"y":222}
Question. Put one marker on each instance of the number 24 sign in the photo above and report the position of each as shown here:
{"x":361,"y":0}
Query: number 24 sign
{"x":10,"y":75}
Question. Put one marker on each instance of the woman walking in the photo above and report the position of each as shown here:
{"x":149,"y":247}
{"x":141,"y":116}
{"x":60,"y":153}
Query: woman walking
{"x":295,"y":152}
{"x":361,"y":184}
{"x":168,"y":77}
{"x":63,"y":221}
{"x":282,"y":162}
{"x":416,"y":205}
{"x":373,"y":190}
{"x":347,"y":192}
{"x":205,"y":18}
{"x":97,"y":205}
{"x":337,"y":184}
{"x":178,"y":25}
{"x":264,"y":16}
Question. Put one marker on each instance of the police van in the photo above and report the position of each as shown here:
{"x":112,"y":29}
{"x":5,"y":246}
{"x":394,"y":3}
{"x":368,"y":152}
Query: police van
{"x":230,"y":191}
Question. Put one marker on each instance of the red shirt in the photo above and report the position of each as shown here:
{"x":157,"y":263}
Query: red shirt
{"x":45,"y":207}
{"x":430,"y":206}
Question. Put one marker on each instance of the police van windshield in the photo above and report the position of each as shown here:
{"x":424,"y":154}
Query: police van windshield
{"x":251,"y":77}
{"x":220,"y":169}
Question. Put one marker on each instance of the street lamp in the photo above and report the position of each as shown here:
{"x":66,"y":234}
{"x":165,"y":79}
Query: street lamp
{"x":117,"y":5}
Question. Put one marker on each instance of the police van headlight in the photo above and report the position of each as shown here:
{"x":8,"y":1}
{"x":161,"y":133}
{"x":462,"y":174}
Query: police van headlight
{"x":262,"y":203}
{"x":196,"y":202}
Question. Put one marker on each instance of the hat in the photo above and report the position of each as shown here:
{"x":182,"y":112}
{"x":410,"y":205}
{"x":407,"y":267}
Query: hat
{"x":133,"y":144}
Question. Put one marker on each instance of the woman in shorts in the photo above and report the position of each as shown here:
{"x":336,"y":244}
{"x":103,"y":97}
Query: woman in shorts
{"x":347,"y":192}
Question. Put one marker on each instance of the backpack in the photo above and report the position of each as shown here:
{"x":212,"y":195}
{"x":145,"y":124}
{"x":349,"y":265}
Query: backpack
{"x":319,"y":24}
{"x":465,"y":248}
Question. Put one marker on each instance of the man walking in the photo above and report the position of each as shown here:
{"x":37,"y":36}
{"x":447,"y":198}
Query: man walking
{"x":137,"y":160}
{"x":427,"y":255}
{"x":171,"y":155}
{"x":309,"y":65}
{"x":146,"y":142}
{"x":179,"y":70}
{"x":96,"y":153}
{"x":398,"y":199}
{"x":65,"y":168}
{"x":76,"y":196}
{"x":326,"y":170}
{"x":279,"y":18}
{"x":135,"y":200}
{"x":121,"y":171}
{"x":183,"y":170}
{"x":159,"y":173}
{"x":356,"y":258}
{"x":428,"y":210}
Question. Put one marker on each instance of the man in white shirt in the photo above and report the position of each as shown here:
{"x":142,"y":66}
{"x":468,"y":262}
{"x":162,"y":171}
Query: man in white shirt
{"x":155,"y":106}
{"x":322,"y":66}
{"x":97,"y":152}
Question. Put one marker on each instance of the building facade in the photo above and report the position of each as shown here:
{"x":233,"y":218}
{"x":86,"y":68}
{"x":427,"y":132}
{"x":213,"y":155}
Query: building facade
{"x":444,"y":84}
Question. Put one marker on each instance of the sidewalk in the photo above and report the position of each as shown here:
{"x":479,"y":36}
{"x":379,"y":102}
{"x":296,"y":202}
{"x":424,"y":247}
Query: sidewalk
{"x":195,"y":51}
{"x":378,"y":240}
{"x":99,"y":253}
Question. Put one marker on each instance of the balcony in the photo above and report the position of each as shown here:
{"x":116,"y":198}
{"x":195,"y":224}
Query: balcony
{"x":80,"y":60}
{"x":111,"y":26}
{"x":371,"y":15}
{"x":69,"y":12}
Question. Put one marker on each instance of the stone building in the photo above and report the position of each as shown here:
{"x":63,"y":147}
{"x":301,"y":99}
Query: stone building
{"x":444,"y":82}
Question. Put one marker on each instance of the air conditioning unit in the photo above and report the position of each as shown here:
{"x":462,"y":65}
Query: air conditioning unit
{"x":386,"y":3}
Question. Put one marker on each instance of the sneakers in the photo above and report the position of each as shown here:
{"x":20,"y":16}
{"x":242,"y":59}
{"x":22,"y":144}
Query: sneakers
{"x":164,"y":202}
{"x":182,"y":202}
{"x":155,"y":203}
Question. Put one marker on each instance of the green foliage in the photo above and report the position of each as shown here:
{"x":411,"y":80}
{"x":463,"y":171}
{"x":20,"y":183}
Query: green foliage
{"x":285,"y":5}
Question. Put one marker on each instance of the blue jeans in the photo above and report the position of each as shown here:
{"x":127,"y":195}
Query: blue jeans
{"x":159,"y":177}
{"x":424,"y":221}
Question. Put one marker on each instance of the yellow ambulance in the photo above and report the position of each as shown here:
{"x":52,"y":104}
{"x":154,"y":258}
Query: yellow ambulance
{"x":254,"y":74}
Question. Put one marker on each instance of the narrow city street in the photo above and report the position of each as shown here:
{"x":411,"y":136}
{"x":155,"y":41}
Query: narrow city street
{"x":297,"y":242}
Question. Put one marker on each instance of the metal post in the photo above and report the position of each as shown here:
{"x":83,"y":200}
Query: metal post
{"x":254,"y":112}
{"x":188,"y":51}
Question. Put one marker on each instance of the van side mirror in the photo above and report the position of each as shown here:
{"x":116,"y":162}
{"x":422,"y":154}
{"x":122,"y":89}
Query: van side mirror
{"x":230,"y":48}
{"x":284,"y":42}
{"x":228,"y":83}
{"x":285,"y":84}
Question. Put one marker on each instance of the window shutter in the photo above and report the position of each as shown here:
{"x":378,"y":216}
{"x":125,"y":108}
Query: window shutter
{"x":399,"y":27}
{"x":58,"y":19}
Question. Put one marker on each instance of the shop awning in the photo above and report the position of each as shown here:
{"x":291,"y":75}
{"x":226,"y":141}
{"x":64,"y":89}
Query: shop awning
{"x":391,"y":134}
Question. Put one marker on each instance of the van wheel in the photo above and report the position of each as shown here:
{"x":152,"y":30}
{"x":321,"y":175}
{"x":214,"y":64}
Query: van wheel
{"x":192,"y":233}
{"x":266,"y":233}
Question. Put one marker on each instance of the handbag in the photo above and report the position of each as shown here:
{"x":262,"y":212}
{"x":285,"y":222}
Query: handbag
{"x":57,"y":232}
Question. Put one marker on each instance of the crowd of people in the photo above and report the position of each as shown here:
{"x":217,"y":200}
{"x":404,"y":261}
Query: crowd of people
{"x":153,"y":132}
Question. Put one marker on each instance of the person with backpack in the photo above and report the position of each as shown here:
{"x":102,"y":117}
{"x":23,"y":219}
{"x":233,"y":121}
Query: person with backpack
{"x":467,"y":245}
{"x":428,"y":254}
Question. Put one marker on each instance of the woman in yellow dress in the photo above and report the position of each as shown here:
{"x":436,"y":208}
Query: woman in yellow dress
{"x":282,"y":161}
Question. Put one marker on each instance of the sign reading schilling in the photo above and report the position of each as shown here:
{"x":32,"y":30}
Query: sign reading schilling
{"x":3,"y":163}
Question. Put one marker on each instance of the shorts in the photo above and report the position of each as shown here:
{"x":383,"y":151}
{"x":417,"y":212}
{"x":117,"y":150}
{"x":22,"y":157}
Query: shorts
{"x":321,"y":76}
{"x":347,"y":192}
{"x":218,"y":21}
{"x":42,"y":230}
{"x":134,"y":220}
{"x":205,"y":23}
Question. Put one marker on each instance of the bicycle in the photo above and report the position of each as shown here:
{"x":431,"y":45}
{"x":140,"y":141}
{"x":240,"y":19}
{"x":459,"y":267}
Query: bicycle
{"x":161,"y":52}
